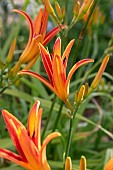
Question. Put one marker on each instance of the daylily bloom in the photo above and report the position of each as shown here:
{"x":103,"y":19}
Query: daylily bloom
{"x":32,"y":155}
{"x":109,"y":165}
{"x":55,"y":66}
{"x":37,"y":34}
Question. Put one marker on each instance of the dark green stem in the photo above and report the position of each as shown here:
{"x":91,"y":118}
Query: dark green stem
{"x":72,"y":116}
{"x":58,"y":116}
{"x":49,"y":116}
{"x":83,"y":32}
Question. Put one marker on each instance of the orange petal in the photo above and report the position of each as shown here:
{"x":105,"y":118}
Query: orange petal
{"x":51,"y":34}
{"x":59,"y":78}
{"x":46,"y":141}
{"x":12,"y":124}
{"x":34,"y":124}
{"x":29,"y":148}
{"x":75,"y":67}
{"x":44,"y":23}
{"x":31,"y":52}
{"x":29,"y":22}
{"x":38,"y":77}
{"x":14,"y":158}
{"x":57,"y":47}
{"x":37,"y":22}
{"x":67,"y":50}
{"x":46,"y":59}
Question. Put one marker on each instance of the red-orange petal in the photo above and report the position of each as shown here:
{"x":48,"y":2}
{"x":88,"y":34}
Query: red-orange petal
{"x":29,"y":22}
{"x":57,"y":47}
{"x":46,"y":59}
{"x":75,"y":67}
{"x":34,"y":124}
{"x":29,"y":149}
{"x":14,"y":158}
{"x":51,"y":34}
{"x":12,"y":123}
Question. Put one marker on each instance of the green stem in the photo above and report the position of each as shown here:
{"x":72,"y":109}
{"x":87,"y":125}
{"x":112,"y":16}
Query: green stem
{"x":73,"y":114}
{"x":48,"y":118}
{"x":69,"y":137}
{"x":83,"y":32}
{"x":58,"y":116}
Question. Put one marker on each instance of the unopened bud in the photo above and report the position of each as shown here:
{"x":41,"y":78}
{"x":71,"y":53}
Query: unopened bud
{"x":11,"y":51}
{"x":58,"y":10}
{"x":83,"y":163}
{"x":68,"y":164}
{"x":98,"y":77}
{"x":76,"y":9}
{"x":80,"y":94}
{"x":48,"y":6}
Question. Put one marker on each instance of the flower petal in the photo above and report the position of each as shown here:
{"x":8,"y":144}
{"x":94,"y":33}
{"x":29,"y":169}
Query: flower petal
{"x":29,"y":148}
{"x":57,"y":47}
{"x":46,"y":59}
{"x":29,"y":22}
{"x":44,"y":23}
{"x":75,"y":67}
{"x":34,"y":124}
{"x":44,"y":145}
{"x":51,"y":34}
{"x":14,"y":158}
{"x":37,"y":23}
{"x":38,"y":77}
{"x":12,"y":123}
{"x":59,"y":78}
{"x":32,"y":51}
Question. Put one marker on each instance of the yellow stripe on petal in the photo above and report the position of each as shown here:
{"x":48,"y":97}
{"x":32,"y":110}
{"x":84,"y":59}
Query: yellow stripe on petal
{"x":29,"y":149}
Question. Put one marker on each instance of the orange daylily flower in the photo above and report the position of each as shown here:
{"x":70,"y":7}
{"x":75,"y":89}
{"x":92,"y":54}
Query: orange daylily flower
{"x":55,"y":66}
{"x":32,"y":155}
{"x":37,"y":34}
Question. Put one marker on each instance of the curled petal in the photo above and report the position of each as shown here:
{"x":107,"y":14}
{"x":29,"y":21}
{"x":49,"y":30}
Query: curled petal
{"x":75,"y":67}
{"x":109,"y":165}
{"x":29,"y":22}
{"x":46,"y":141}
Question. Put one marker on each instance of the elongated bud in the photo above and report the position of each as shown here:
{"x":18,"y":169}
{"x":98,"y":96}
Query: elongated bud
{"x":80,"y":94}
{"x":98,"y":77}
{"x":86,"y":90}
{"x":58,"y":10}
{"x":11,"y":51}
{"x":83,"y":163}
{"x":85,"y":7}
{"x":63,"y":11}
{"x":68,"y":164}
{"x":48,"y":6}
{"x":76,"y":8}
